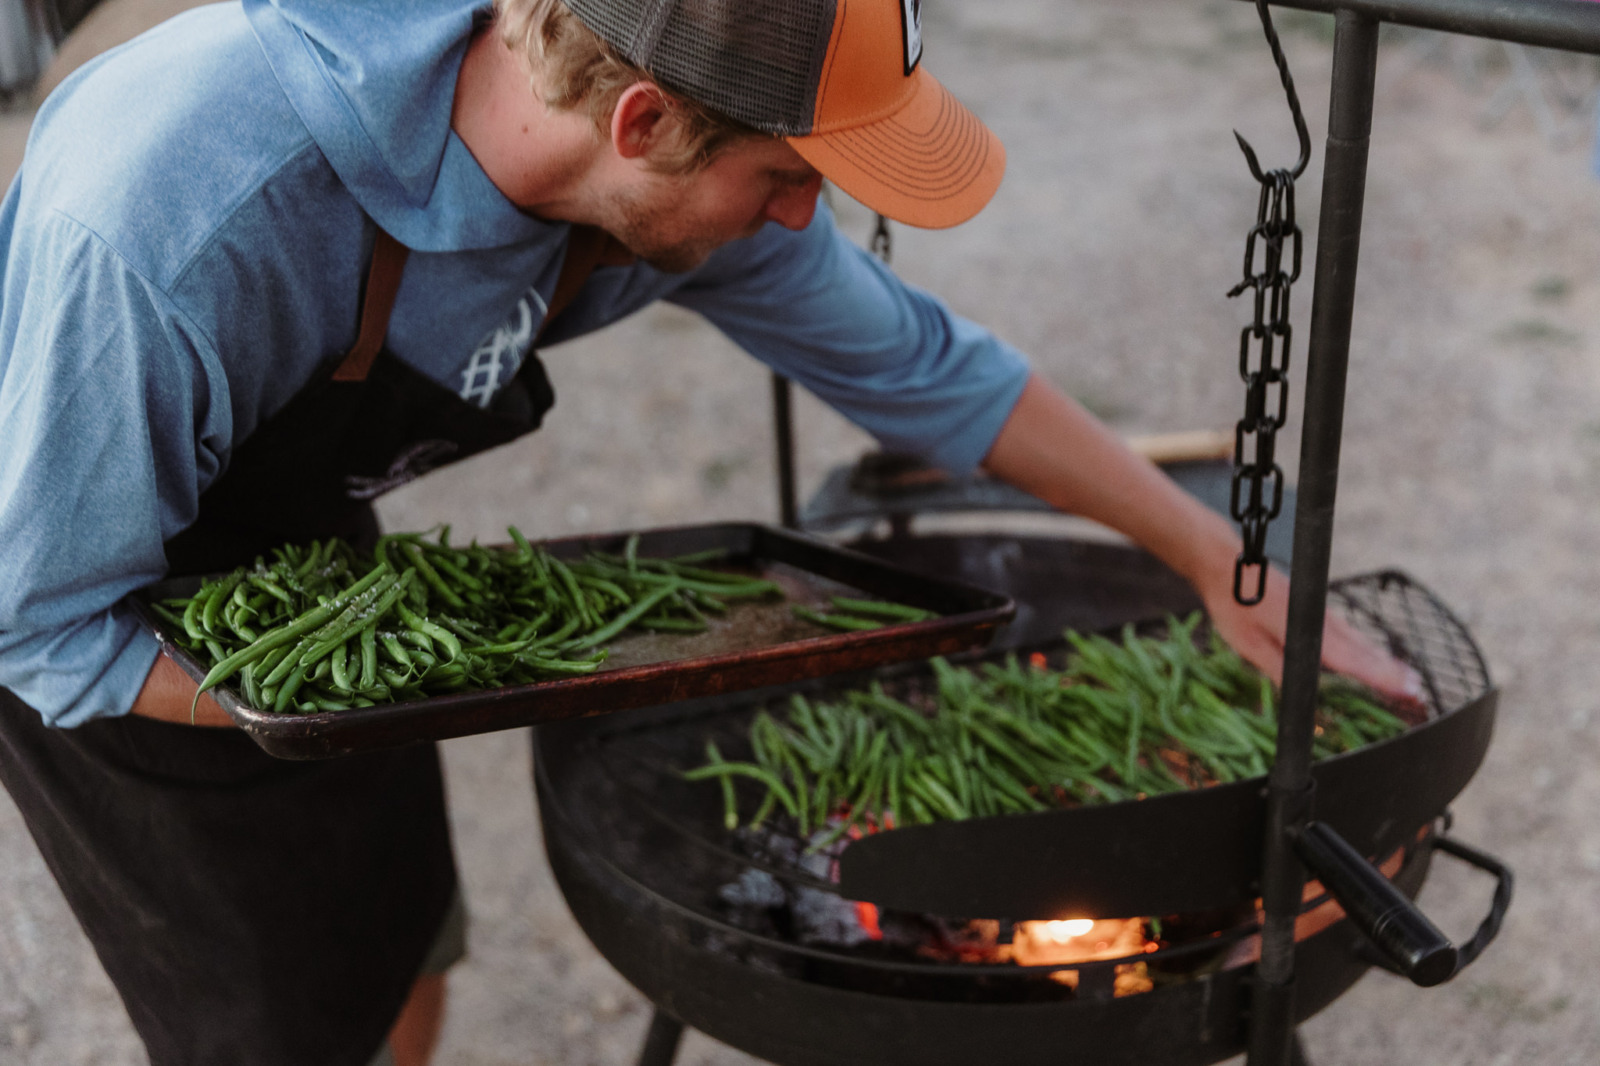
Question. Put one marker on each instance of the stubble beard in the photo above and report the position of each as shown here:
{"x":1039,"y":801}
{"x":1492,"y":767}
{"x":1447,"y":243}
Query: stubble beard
{"x":643,"y":227}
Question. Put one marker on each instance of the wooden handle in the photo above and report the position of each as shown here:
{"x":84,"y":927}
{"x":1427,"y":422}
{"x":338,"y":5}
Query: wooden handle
{"x":1192,"y":446}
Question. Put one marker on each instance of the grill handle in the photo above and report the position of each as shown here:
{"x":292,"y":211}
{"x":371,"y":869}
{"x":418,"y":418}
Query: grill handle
{"x":1411,"y":945}
{"x":1490,"y":926}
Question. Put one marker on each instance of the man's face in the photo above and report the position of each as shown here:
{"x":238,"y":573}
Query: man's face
{"x":674,"y":223}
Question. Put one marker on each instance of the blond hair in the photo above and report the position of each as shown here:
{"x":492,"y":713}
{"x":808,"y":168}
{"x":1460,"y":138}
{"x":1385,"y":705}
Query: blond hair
{"x":575,"y":69}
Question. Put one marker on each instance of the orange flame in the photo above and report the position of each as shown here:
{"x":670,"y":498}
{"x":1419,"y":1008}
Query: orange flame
{"x":1078,"y":940}
{"x":1087,"y":940}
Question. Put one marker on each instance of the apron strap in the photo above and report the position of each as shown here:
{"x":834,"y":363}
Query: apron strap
{"x":383,"y":282}
{"x":586,"y":245}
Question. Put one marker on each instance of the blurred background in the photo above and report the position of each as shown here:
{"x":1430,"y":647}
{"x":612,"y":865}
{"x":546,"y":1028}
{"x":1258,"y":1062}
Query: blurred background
{"x":1471,"y":460}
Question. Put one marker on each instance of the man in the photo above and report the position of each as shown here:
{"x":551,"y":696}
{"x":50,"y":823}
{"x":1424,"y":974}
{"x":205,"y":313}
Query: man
{"x":269,"y":260}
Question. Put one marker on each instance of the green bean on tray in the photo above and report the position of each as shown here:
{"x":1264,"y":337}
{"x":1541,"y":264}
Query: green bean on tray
{"x":326,"y":627}
{"x":850,"y":614}
{"x":1119,"y":721}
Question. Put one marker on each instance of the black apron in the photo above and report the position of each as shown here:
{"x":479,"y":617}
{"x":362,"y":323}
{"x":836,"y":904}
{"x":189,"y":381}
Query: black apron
{"x":252,"y":911}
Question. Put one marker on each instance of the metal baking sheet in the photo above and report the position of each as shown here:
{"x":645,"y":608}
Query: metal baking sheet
{"x":753,"y":645}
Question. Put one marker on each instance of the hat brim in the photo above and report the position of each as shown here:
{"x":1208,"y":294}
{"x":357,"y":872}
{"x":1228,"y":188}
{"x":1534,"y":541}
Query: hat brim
{"x":931,"y":164}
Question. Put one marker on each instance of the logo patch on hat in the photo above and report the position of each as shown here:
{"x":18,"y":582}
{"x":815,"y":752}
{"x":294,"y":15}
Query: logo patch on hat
{"x":911,"y":24}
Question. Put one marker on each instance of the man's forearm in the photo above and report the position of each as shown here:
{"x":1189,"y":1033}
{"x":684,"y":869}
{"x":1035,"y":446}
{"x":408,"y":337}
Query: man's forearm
{"x":1056,"y":450}
{"x":168,"y":693}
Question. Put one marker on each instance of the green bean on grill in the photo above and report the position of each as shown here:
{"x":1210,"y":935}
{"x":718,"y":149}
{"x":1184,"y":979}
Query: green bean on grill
{"x":1120,"y":720}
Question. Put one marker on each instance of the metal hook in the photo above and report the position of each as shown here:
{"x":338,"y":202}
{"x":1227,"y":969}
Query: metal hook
{"x":1294,"y":103}
{"x":882,"y":241}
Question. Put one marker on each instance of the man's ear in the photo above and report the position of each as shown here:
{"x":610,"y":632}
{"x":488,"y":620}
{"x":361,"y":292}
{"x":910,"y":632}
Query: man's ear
{"x":642,"y":120}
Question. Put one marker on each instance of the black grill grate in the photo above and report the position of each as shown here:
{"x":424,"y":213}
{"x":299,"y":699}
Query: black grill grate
{"x":1417,"y":629}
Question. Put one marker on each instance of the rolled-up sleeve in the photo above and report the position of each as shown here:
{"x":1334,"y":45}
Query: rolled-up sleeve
{"x":891,"y":358}
{"x":108,"y":425}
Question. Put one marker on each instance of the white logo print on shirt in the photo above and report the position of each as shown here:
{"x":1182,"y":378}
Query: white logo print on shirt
{"x":499,"y":356}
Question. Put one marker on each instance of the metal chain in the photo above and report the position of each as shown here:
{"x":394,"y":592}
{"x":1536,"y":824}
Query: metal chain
{"x":1257,"y":491}
{"x":1257,"y":496}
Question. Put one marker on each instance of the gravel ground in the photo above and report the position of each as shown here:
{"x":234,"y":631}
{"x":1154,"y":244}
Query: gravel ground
{"x":1472,"y":460}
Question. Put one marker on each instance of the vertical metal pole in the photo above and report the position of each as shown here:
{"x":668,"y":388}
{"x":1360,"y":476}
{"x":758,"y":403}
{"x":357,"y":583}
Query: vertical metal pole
{"x":661,"y":1040}
{"x":783,"y":428}
{"x":1355,"y":51}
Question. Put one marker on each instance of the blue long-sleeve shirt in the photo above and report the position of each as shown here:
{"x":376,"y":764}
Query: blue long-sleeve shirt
{"x":183,"y":247}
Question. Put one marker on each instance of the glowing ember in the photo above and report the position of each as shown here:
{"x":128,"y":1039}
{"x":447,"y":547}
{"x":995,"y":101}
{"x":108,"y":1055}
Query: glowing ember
{"x":1078,"y":940}
{"x":1060,"y":932}
{"x":1086,"y":940}
{"x":867,"y":916}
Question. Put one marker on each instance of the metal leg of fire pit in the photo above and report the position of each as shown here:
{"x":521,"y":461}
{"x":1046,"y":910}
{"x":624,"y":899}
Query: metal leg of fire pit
{"x":661,"y":1042}
{"x":783,"y":434}
{"x":1272,"y":1036}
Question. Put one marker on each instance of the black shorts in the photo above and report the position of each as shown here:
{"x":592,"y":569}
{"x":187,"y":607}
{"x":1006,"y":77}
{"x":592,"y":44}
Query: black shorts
{"x":249,"y":910}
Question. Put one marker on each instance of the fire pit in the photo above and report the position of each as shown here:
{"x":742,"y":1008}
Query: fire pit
{"x":977,"y":937}
{"x":751,"y":942}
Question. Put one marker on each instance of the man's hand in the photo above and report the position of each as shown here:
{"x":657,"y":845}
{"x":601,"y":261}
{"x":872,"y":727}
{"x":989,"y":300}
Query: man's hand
{"x":168,"y":695}
{"x":1053,"y":448}
{"x":1258,"y":633}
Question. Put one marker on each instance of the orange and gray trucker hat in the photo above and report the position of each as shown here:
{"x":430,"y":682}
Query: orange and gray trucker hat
{"x":841,"y":80}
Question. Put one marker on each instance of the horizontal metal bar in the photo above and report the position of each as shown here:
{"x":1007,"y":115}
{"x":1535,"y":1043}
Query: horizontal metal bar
{"x":1571,"y":25}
